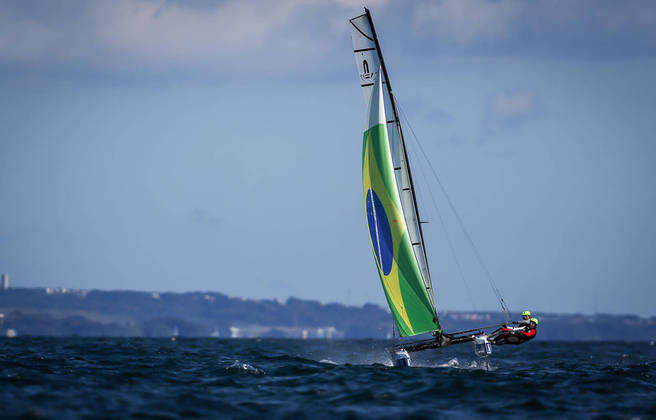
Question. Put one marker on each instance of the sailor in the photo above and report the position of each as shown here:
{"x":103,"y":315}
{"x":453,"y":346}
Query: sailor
{"x":530,"y":330}
{"x":526,"y":315}
{"x":515,"y":335}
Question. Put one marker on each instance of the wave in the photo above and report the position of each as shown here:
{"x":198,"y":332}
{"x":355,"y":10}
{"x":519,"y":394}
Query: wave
{"x":244,"y":368}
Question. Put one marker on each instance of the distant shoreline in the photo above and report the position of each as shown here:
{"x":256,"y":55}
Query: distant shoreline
{"x":52,"y":312}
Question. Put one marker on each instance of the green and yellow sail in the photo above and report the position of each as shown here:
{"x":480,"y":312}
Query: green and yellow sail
{"x":411,"y":306}
{"x":389,"y":197}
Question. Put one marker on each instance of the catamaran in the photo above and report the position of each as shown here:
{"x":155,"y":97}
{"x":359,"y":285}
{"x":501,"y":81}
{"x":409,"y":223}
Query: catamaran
{"x":393,"y":219}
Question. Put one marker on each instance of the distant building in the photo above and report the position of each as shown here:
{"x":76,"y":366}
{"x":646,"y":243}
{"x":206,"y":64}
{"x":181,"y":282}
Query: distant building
{"x":235,"y":332}
{"x":5,"y":281}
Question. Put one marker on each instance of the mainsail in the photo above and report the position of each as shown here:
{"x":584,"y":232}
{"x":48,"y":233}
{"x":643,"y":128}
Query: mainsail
{"x":392,"y":215}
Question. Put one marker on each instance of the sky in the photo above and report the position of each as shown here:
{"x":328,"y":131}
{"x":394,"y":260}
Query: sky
{"x":216,"y":145}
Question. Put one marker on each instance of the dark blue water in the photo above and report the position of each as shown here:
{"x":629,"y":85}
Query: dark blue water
{"x":160,"y":378}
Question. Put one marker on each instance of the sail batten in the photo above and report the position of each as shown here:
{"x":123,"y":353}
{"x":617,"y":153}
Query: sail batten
{"x":409,"y":288}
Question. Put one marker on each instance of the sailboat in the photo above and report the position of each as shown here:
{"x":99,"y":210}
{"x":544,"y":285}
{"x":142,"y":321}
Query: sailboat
{"x":395,"y":228}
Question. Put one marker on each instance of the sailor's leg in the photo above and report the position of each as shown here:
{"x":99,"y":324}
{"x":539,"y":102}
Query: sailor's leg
{"x":514,"y":339}
{"x":499,"y":340}
{"x":497,"y":337}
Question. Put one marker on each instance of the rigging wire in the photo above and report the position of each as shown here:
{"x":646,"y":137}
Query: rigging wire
{"x":444,"y":228}
{"x":495,"y":289}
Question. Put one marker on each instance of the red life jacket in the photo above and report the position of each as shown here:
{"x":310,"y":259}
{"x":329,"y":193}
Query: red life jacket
{"x":526,"y":335}
{"x":529,"y":334}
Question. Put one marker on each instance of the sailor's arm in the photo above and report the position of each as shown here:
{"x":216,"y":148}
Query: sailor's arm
{"x":528,"y":334}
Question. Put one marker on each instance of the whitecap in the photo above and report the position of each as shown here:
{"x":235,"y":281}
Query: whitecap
{"x":237,"y":366}
{"x":453,"y":363}
{"x":481,"y":364}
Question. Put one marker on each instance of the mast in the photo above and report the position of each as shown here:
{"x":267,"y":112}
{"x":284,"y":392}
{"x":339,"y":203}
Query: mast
{"x":428,"y":283}
{"x":395,"y":231}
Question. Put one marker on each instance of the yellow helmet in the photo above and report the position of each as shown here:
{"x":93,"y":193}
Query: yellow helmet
{"x":534,"y":320}
{"x":525,"y":313}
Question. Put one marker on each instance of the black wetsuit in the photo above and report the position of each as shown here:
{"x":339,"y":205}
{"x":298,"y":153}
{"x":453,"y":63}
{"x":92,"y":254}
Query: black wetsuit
{"x":507,"y":336}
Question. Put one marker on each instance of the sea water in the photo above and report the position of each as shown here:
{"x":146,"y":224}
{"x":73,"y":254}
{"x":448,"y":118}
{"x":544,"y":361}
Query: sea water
{"x":271,"y":378}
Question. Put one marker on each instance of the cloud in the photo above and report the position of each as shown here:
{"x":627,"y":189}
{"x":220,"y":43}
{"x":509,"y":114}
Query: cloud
{"x":507,"y":110}
{"x":594,"y":29}
{"x":220,"y":36}
{"x":468,"y":21}
{"x":204,"y":217}
{"x":157,"y":29}
{"x":438,"y":116}
{"x":513,"y":106}
{"x":292,"y":38}
{"x":24,"y":39}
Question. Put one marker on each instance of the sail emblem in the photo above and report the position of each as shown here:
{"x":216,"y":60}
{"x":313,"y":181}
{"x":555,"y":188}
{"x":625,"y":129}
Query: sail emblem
{"x":380,"y":232}
{"x":366,"y":76}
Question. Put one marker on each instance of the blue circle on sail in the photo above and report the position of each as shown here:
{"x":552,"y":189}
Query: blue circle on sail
{"x":380,"y":232}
